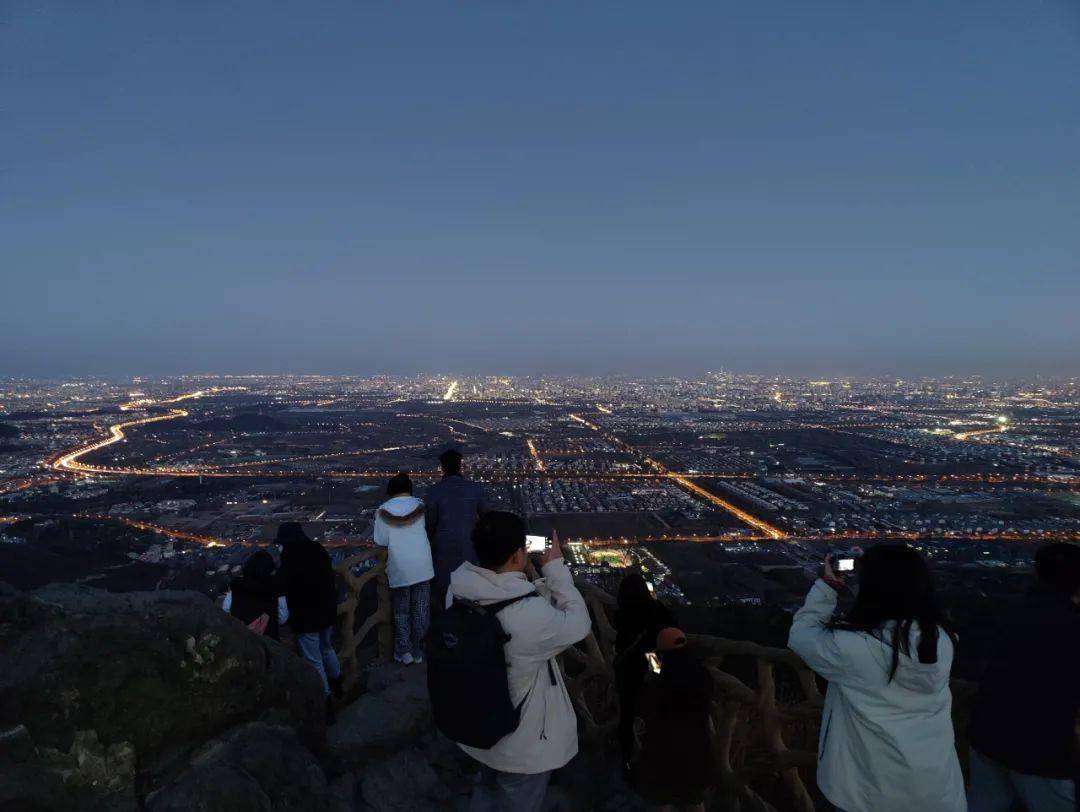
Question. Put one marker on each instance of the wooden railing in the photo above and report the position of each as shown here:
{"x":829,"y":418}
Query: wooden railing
{"x":353,"y":636}
{"x":766,"y":712}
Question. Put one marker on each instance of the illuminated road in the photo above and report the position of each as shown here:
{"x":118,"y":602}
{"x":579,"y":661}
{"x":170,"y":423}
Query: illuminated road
{"x":25,"y":484}
{"x":535,"y":454}
{"x":758,"y":524}
{"x":450,"y":391}
{"x":209,"y":541}
{"x":70,"y":460}
{"x":967,"y":435}
{"x":142,"y":403}
{"x":712,"y":498}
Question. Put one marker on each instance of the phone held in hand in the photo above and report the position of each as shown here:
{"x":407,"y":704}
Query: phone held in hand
{"x":537,"y":544}
{"x":845,"y":564}
{"x":650,"y":587}
{"x":654,"y":661}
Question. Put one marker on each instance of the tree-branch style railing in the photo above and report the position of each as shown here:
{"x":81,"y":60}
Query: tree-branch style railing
{"x":766,"y":711}
{"x":353,"y":637}
{"x":588,"y":672}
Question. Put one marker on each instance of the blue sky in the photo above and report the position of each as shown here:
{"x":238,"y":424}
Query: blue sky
{"x":772,"y":186}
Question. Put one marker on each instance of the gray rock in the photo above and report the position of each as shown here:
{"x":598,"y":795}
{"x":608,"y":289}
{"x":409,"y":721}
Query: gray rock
{"x":117,"y":690}
{"x":404,"y":782}
{"x":393,"y":715}
{"x":341,"y":794}
{"x":253,"y":767}
{"x":26,"y":781}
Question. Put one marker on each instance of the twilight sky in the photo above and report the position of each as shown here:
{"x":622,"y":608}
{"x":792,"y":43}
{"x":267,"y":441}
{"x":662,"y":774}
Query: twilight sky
{"x":358,"y":187}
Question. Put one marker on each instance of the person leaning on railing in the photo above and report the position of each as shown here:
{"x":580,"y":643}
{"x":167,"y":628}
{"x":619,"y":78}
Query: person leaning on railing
{"x":886,"y":741}
{"x":399,"y":526}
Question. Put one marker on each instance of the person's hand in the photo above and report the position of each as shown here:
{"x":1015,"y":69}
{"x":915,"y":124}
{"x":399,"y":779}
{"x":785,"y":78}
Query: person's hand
{"x":830,"y":576}
{"x":552,"y":553}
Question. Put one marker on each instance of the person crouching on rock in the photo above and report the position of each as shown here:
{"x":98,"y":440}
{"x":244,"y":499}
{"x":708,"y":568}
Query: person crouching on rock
{"x":307,"y":578}
{"x":254,"y":597}
{"x":399,"y":526}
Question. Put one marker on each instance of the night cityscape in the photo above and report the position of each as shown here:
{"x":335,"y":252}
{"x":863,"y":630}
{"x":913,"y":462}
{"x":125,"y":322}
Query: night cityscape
{"x":539,"y":407}
{"x":725,"y":489}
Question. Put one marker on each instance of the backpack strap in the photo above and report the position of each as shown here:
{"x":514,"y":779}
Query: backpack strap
{"x":498,"y":606}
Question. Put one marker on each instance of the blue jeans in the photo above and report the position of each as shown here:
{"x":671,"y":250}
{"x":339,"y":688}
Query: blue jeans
{"x":315,"y":647}
{"x":508,"y":792}
{"x":412,"y":613}
{"x":994,"y":788}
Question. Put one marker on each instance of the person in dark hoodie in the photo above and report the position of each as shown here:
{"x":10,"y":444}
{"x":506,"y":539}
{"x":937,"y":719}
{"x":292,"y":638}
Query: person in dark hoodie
{"x":399,"y":526}
{"x":638,"y":619}
{"x":453,"y":506}
{"x":255,"y":594}
{"x":307,"y":579}
{"x":1023,"y":726}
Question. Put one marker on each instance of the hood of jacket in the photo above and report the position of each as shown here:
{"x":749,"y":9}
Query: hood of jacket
{"x":475,"y":583}
{"x":401,"y":510}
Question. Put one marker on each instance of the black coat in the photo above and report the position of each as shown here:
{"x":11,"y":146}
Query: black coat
{"x":635,"y":633}
{"x":678,"y":760}
{"x":1026,"y":708}
{"x":307,"y":580}
{"x":250,"y":599}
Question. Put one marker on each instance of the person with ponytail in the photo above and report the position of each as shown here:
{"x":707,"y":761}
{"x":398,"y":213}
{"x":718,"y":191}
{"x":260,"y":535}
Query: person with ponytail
{"x":886,"y":742}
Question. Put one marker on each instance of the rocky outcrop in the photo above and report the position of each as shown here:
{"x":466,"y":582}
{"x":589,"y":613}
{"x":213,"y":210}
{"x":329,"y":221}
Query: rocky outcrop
{"x":103,"y":697}
{"x":393,"y":714}
{"x":160,"y":701}
{"x":258,"y":766}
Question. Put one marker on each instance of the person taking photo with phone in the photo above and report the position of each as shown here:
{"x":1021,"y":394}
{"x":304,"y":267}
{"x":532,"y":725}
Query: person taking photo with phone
{"x":538,"y":620}
{"x":678,"y":760}
{"x":639,"y":617}
{"x":886,"y":741}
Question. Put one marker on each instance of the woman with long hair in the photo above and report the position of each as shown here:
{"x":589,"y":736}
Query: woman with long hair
{"x":886,"y":741}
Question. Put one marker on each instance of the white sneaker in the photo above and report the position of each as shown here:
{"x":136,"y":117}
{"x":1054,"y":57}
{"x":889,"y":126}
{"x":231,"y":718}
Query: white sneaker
{"x":404,"y":660}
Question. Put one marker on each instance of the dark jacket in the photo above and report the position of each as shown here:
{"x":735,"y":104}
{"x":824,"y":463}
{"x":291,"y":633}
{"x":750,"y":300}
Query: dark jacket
{"x":307,"y":580}
{"x":1025,"y":711}
{"x":635,"y":634}
{"x":636,"y":627}
{"x":250,"y":599}
{"x":453,"y":506}
{"x":678,"y":760}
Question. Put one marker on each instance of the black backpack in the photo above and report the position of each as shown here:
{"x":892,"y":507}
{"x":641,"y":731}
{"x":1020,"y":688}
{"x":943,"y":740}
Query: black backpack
{"x":467,"y":682}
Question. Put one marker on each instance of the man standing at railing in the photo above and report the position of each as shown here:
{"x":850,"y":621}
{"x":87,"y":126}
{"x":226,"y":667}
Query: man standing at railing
{"x":452,"y":507}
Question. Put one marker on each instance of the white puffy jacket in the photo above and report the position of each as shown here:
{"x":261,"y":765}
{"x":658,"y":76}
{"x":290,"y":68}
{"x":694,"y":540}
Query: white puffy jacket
{"x":399,"y":526}
{"x":885,"y":746}
{"x":539,"y":629}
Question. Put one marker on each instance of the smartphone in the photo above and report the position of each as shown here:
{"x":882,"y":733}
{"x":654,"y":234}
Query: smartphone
{"x":845,"y":565}
{"x":537,"y":544}
{"x":651,"y":588}
{"x":654,"y":661}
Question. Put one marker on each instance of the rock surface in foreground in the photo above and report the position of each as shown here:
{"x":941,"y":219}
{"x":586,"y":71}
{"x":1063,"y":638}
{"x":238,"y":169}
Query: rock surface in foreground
{"x":104,"y":696}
